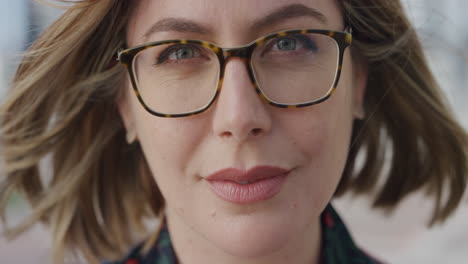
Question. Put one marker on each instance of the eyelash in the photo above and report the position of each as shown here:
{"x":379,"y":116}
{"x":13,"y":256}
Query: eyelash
{"x":305,"y":41}
{"x":163,"y":57}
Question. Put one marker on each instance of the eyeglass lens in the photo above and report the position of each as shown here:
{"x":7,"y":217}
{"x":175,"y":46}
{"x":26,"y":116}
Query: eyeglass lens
{"x":290,"y":69}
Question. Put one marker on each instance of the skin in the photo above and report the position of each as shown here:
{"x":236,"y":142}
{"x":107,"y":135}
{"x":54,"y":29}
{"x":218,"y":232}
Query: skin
{"x":241,"y":131}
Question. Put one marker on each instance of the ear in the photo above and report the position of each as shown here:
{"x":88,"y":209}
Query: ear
{"x":126,"y":113}
{"x":360,"y":77}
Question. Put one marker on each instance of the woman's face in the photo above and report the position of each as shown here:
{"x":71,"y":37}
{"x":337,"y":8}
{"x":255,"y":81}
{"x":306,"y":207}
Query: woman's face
{"x":301,"y":151}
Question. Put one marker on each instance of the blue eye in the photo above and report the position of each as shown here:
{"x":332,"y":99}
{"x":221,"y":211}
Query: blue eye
{"x":286,"y":44}
{"x":178,"y":52}
{"x":182,"y":53}
{"x":291,"y":43}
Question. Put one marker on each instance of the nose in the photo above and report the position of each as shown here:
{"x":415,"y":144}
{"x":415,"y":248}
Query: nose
{"x":239,"y":112}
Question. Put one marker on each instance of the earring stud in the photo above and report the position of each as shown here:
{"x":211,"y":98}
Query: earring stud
{"x":131,"y":137}
{"x":359,"y":113}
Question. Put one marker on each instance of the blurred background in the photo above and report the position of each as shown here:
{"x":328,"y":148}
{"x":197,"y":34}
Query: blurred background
{"x":400,"y":238}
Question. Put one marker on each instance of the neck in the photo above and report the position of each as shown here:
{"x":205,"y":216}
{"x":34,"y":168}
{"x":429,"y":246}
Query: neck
{"x":193,"y":248}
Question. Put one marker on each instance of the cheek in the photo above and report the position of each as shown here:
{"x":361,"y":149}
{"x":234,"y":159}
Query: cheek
{"x":323,"y":137}
{"x":323,"y":134}
{"x":168,"y":144}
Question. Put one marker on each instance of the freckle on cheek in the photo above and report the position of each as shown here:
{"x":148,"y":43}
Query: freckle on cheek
{"x":293,"y":206}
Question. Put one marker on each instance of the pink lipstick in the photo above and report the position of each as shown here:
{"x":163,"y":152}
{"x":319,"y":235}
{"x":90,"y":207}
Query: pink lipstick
{"x":245,"y":187}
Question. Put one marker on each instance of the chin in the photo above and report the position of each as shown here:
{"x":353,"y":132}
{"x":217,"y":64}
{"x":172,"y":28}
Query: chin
{"x":253,"y":237}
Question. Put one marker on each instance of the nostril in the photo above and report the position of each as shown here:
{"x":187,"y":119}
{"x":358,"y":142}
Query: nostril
{"x":226,"y":134}
{"x":256,"y":131}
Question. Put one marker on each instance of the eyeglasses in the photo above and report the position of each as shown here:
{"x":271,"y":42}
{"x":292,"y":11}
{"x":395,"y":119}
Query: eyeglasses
{"x":289,"y":69}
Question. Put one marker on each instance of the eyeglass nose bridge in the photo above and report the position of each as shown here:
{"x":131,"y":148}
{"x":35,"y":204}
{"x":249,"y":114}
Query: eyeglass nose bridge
{"x":245,"y":54}
{"x":241,"y":52}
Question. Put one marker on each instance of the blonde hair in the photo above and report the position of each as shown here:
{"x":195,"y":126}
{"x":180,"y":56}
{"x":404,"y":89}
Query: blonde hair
{"x":62,"y":105}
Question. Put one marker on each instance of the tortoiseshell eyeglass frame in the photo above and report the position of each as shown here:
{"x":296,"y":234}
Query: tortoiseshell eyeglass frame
{"x":342,"y":38}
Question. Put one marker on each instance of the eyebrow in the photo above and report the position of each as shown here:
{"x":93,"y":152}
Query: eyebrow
{"x":176,"y":24}
{"x":283,"y":13}
{"x":288,"y":12}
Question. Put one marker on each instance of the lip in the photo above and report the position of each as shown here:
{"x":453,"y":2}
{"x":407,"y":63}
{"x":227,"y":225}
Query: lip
{"x":246,"y":187}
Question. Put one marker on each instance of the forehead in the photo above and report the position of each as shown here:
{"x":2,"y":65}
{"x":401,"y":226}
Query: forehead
{"x":228,"y":20}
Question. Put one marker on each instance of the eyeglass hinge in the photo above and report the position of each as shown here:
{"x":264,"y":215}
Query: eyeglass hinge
{"x":119,"y":54}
